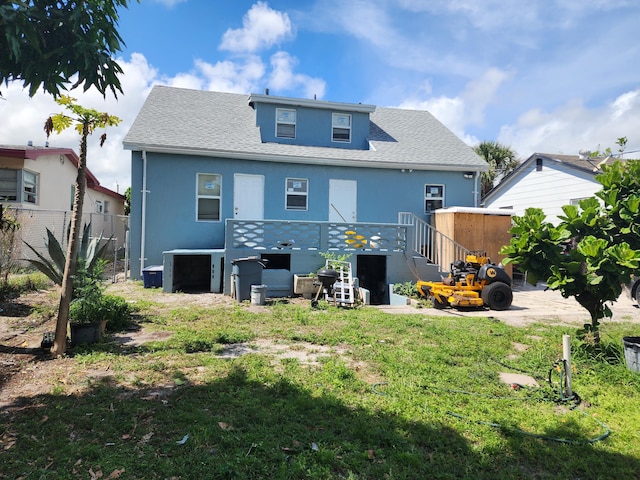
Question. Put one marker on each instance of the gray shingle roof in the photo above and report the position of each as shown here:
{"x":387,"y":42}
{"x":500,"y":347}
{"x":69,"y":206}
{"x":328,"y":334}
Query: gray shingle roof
{"x":223,"y":124}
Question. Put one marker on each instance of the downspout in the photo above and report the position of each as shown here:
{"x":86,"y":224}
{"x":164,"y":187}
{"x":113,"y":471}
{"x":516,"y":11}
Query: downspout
{"x":476,"y":193}
{"x":143,"y":231}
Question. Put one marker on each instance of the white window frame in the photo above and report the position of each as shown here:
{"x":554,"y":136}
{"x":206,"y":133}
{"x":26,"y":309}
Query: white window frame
{"x":433,"y":192}
{"x":21,"y":187}
{"x":213,"y":196}
{"x":99,"y":207}
{"x":341,"y":123}
{"x":285,"y":117}
{"x":291,"y":189}
{"x":10,"y":193}
{"x":576,"y":201}
{"x":30,"y":196}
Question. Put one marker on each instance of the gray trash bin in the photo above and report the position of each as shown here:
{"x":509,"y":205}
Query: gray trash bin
{"x":246,"y":272}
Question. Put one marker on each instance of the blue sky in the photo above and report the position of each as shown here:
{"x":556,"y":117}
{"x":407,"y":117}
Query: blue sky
{"x":550,"y":76}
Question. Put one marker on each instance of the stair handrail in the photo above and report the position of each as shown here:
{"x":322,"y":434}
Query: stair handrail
{"x":432,"y":244}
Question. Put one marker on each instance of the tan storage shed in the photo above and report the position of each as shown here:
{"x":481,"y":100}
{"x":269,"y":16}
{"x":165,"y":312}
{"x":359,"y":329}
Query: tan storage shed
{"x":476,"y":229}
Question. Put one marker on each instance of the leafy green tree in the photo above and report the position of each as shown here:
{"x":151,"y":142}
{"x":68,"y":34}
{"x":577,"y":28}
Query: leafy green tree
{"x":127,"y":201}
{"x":85,"y":121}
{"x":593,"y":251}
{"x":501,"y":159}
{"x":46,"y":42}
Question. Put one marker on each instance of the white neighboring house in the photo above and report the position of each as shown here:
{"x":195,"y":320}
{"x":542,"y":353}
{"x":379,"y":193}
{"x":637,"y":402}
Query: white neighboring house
{"x":41,"y":181}
{"x":547,"y":181}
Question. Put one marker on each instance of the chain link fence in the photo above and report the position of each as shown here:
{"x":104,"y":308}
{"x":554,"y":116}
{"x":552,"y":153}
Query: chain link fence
{"x":33,"y":230}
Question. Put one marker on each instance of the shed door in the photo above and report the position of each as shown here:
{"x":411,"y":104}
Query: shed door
{"x":248,"y":197}
{"x":343,"y":200}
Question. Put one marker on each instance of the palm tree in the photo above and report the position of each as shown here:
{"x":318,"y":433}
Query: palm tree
{"x":501,"y":159}
{"x":85,"y":121}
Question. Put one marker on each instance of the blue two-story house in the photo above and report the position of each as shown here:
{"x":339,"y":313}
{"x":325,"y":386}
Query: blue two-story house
{"x":220,"y":176}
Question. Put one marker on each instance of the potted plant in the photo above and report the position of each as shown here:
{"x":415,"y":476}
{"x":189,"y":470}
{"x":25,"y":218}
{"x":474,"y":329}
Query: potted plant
{"x":87,"y":316}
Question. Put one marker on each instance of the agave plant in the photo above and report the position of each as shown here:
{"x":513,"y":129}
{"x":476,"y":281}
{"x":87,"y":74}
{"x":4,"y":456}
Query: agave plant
{"x":90,"y":252}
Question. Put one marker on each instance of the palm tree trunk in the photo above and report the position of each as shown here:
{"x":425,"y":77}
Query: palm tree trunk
{"x":66,"y":294}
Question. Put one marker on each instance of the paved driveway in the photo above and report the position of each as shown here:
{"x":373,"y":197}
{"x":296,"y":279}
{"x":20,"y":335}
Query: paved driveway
{"x":534,"y":304}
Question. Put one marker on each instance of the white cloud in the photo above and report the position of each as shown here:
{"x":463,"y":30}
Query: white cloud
{"x":283,"y":78}
{"x":575,"y":126}
{"x":468,"y":108}
{"x":227,"y":76}
{"x":262,"y":27}
{"x":111,"y":163}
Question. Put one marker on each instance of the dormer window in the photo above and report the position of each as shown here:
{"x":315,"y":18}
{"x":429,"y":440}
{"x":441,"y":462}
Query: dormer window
{"x":341,"y":127}
{"x":285,"y":123}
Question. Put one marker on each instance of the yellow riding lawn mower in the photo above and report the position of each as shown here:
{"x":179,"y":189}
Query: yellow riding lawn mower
{"x":475,"y":282}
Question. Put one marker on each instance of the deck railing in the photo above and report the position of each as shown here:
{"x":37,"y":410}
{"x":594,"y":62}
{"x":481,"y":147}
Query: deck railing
{"x":431,"y":243}
{"x":319,"y":236}
{"x":410,"y":235}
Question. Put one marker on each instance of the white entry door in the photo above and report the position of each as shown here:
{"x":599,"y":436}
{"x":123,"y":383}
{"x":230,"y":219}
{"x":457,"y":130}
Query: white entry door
{"x":343,"y":200}
{"x":248,"y":197}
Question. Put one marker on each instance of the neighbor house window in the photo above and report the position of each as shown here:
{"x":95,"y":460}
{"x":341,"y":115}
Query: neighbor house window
{"x":106,"y":207}
{"x":30,"y":187}
{"x":576,"y":201}
{"x":8,"y":185}
{"x":297,"y":193}
{"x":208,"y":197}
{"x":341,"y":127}
{"x":433,"y":197}
{"x":285,"y":123}
{"x":18,"y":186}
{"x":98,"y":206}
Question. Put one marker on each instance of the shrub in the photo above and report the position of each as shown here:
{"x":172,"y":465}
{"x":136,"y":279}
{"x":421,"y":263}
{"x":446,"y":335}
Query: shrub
{"x":117,"y":312}
{"x":408,"y":289}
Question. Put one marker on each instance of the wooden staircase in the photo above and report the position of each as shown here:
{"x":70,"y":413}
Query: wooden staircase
{"x":431,"y":244}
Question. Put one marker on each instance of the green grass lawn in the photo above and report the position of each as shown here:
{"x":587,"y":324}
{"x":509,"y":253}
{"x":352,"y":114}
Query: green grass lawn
{"x":329,"y":393}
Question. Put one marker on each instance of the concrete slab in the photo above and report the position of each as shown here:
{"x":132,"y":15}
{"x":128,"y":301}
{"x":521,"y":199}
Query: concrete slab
{"x":530,"y":305}
{"x":518,"y":379}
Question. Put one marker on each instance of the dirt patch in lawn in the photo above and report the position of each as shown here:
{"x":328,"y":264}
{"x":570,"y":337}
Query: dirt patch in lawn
{"x":27,"y":371}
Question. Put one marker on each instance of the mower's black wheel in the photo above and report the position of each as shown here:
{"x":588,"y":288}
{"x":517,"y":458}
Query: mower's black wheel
{"x":314,"y":303}
{"x":439,"y":304}
{"x":497,"y":296}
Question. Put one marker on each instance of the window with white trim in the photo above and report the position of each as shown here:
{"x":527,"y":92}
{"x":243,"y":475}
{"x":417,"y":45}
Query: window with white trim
{"x":285,"y":123}
{"x":341,"y":127}
{"x":30,"y":187}
{"x":208,"y":197}
{"x":576,"y":201}
{"x":99,"y":208}
{"x":297,"y":194}
{"x":8,"y":185}
{"x":18,"y":186}
{"x":433,"y":197}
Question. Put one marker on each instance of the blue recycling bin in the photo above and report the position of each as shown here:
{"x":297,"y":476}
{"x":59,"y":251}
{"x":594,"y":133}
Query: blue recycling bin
{"x":152,"y":276}
{"x":246,"y":272}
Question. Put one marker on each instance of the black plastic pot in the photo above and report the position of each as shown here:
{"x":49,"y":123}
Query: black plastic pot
{"x":632,"y":352}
